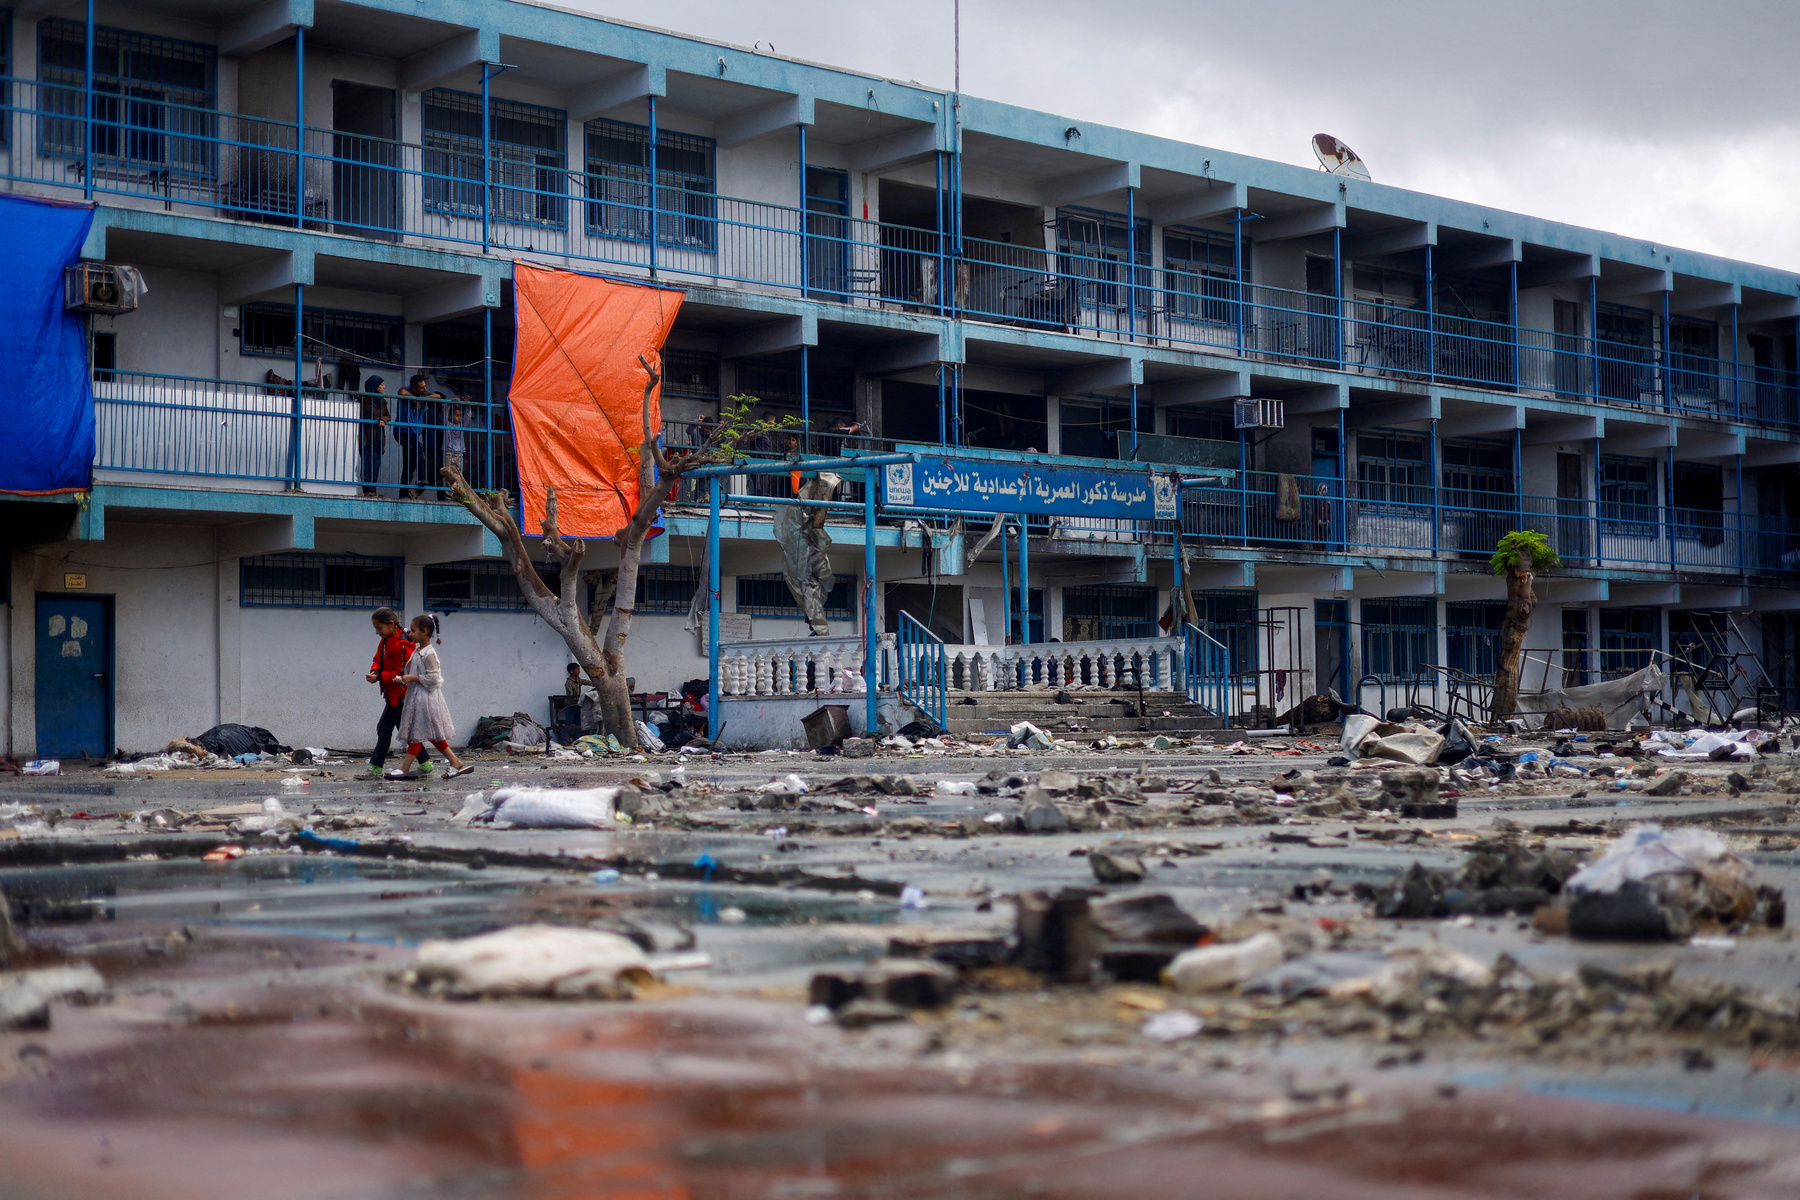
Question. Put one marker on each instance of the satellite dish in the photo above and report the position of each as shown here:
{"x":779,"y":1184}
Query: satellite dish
{"x":1338,"y":158}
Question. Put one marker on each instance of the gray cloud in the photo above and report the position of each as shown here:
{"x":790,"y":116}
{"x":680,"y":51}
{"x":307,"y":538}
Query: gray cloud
{"x":1673,"y":122}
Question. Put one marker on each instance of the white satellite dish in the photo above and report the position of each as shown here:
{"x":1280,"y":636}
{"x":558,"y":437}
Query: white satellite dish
{"x":1338,"y":158}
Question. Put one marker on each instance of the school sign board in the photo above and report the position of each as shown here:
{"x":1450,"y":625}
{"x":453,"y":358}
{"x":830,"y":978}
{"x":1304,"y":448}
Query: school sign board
{"x":978,"y":485}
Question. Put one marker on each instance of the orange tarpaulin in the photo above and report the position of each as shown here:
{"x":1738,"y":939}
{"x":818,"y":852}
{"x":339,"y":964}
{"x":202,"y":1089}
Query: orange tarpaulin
{"x":578,"y":394}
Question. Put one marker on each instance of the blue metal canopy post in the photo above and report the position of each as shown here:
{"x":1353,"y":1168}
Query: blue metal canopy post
{"x":299,"y":127}
{"x":654,"y":199}
{"x":1005,"y":588}
{"x":1024,"y":582}
{"x":712,"y":612}
{"x":87,"y":110}
{"x":871,"y":648}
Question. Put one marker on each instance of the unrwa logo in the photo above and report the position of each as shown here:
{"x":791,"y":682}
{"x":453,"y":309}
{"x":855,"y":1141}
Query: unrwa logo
{"x":899,"y":483}
{"x":1162,"y":494}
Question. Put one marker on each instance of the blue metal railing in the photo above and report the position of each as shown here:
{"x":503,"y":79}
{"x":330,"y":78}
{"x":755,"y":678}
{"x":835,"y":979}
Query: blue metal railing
{"x":255,"y":169}
{"x":1206,"y":671}
{"x":923,"y":668}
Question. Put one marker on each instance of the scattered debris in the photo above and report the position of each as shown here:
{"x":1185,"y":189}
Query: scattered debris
{"x":531,"y":960}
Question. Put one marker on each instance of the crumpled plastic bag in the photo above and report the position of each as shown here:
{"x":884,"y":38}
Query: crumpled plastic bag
{"x":1029,"y":736}
{"x":1686,"y":868}
{"x":1742,"y":745}
{"x":533,"y":960}
{"x":554,"y":808}
{"x":647,"y":739}
{"x":1416,"y":745}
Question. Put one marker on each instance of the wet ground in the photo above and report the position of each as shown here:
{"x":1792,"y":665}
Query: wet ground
{"x":255,"y":1043}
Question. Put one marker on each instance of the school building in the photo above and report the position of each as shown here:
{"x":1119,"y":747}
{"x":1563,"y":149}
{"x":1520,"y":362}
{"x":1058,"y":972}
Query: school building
{"x":1375,"y":384}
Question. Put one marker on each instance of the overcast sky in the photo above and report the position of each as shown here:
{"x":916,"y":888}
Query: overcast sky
{"x":1672,"y":122}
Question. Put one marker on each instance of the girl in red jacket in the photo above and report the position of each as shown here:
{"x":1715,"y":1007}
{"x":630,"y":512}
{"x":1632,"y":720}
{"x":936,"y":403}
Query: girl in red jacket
{"x":391,"y":654}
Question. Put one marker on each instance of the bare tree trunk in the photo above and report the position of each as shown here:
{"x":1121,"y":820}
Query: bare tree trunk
{"x":1521,"y":601}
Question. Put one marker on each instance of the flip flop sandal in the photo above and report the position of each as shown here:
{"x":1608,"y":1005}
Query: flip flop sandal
{"x":402,"y":775}
{"x":454,"y":772}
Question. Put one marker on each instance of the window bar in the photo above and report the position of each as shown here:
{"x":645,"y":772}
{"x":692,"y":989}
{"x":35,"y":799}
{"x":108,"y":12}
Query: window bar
{"x":299,"y":144}
{"x":1237,"y":285}
{"x":943,"y":421}
{"x":487,"y":156}
{"x":87,"y":100}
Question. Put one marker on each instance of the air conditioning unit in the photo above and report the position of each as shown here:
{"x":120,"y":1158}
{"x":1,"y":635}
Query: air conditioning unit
{"x":106,"y":288}
{"x":1259,"y":414}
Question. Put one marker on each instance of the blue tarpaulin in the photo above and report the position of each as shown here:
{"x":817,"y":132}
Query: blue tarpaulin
{"x":49,"y":443}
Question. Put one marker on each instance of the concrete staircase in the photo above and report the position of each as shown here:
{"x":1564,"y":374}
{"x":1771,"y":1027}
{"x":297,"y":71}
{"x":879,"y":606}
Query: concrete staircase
{"x":1093,"y":716}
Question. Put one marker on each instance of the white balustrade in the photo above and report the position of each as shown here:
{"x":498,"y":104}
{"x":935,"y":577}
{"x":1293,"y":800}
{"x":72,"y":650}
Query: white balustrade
{"x":788,"y":666}
{"x":1053,"y":665}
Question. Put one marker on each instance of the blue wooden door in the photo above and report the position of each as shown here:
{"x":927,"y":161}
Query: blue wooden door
{"x":74,"y":676}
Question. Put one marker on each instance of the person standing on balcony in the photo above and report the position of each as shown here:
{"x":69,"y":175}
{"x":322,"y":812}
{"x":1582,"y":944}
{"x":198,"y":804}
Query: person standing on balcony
{"x":374,"y":431}
{"x":421,"y":439}
{"x":453,"y":439}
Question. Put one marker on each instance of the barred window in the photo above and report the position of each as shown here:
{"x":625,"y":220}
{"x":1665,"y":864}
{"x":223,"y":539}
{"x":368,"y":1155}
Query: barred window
{"x":1091,"y":246}
{"x":321,"y":581}
{"x":1628,"y":495}
{"x":1392,"y":469}
{"x":1398,"y":638}
{"x":777,"y":382}
{"x":1105,"y":611}
{"x":369,"y":338}
{"x":1472,"y":635}
{"x":618,"y":185}
{"x":154,"y":97}
{"x":481,"y":585}
{"x":666,"y":589}
{"x":1230,"y":616}
{"x":1200,"y":274}
{"x":1627,"y":638}
{"x":690,"y":374}
{"x":767,"y":595}
{"x":527,"y":149}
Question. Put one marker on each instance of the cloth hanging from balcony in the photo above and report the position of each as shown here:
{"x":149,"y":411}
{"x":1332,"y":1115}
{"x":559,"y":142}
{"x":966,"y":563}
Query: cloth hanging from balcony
{"x":804,"y":545}
{"x":43,"y":351}
{"x":578,"y":393}
{"x":1287,"y":498}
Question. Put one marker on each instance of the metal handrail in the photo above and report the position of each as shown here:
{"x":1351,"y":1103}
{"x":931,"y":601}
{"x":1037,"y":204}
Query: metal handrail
{"x":923,"y":668}
{"x":1206,"y":671}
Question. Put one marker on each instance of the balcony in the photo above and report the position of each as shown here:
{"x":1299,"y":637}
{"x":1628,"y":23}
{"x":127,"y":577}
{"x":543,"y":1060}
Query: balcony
{"x":204,"y":162}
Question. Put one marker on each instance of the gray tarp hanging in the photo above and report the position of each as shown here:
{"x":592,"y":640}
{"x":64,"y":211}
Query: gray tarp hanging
{"x":1620,"y":699}
{"x":804,"y":564}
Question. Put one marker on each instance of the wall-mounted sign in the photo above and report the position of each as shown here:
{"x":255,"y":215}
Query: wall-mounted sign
{"x":981,"y":485}
{"x":74,"y":583}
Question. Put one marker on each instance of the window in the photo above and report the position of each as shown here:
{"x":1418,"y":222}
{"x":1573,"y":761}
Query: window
{"x":1386,"y":288}
{"x":1392,"y":469}
{"x":106,"y":355}
{"x":1230,"y":616}
{"x":268,"y":329}
{"x":690,"y":374}
{"x":1693,"y":357}
{"x":777,"y":382}
{"x":1477,"y":474}
{"x":618,"y":185}
{"x":481,"y":585}
{"x":1459,"y":297}
{"x":768,"y":596}
{"x":320,"y":581}
{"x":153,"y":103}
{"x":1213,"y":424}
{"x":1108,"y":611}
{"x":1091,"y":246}
{"x":1472,"y":636}
{"x":1199,"y":274}
{"x":527,"y":148}
{"x":1627,"y":636}
{"x":1628,"y":496}
{"x":1623,"y":350}
{"x":1697,"y":498}
{"x":456,"y":346}
{"x":669,"y":589}
{"x":1699,"y":636}
{"x":1398,"y":638}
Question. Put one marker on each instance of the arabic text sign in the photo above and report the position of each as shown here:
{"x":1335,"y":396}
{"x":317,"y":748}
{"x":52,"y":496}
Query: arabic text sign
{"x":983,"y":486}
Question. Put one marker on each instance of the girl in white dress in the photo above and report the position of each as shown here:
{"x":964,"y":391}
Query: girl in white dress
{"x":426,"y":715}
